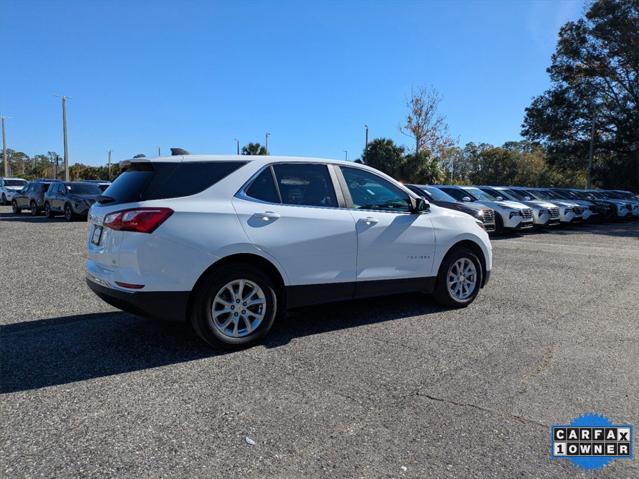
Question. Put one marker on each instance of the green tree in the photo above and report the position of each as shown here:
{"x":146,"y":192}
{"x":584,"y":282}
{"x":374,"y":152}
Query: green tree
{"x":594,"y":87}
{"x":384,"y":155}
{"x":253,"y":149}
{"x":420,"y":168}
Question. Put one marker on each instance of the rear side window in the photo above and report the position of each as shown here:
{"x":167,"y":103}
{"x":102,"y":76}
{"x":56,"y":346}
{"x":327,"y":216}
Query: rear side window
{"x":305,"y":185}
{"x":154,"y":181}
{"x":263,"y":188}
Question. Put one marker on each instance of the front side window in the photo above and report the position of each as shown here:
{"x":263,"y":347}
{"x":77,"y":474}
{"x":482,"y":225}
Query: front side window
{"x":370,"y":192}
{"x":305,"y":185}
{"x":263,"y":187}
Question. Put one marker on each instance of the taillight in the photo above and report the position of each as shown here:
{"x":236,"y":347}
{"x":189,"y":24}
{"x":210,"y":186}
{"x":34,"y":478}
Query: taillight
{"x":141,"y":220}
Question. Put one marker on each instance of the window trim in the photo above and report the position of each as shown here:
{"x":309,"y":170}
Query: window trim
{"x":339,"y":195}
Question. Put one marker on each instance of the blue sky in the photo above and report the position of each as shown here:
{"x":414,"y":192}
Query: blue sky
{"x":144,"y":74}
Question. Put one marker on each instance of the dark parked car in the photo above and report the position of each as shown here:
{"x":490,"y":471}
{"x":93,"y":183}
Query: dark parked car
{"x":440,"y":198}
{"x":73,"y":199}
{"x":31,"y":197}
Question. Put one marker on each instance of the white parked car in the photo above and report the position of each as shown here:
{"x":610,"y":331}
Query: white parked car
{"x":510,"y":215}
{"x":544,"y":213}
{"x":571,"y":211}
{"x":227,"y":242}
{"x":9,"y":187}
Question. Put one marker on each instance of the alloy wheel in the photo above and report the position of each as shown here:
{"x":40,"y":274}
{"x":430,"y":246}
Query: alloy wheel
{"x":238,"y":309}
{"x":461,"y":279}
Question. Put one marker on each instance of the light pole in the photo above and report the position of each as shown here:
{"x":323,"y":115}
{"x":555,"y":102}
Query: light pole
{"x":64,"y":135}
{"x":4,"y":149}
{"x":592,"y":146}
{"x":366,"y":141}
{"x":237,"y":146}
{"x":345,"y":155}
{"x":109,"y":165}
{"x":266,"y":141}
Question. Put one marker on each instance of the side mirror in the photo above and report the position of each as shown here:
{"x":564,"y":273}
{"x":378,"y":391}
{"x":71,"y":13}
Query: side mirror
{"x":466,"y":198}
{"x":500,"y":198}
{"x":418,"y":205}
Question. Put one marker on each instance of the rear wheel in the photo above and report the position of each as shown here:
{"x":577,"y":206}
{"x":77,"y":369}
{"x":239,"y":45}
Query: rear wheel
{"x":235,"y":306}
{"x":47,"y":210}
{"x":16,"y":209}
{"x":459,"y":279}
{"x":34,"y":208}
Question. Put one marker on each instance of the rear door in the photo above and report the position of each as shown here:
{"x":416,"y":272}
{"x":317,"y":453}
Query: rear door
{"x":393,"y":243}
{"x":291,"y":212}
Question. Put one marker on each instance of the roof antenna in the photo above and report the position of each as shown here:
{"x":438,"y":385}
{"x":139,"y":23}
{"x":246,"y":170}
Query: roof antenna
{"x":179,"y":151}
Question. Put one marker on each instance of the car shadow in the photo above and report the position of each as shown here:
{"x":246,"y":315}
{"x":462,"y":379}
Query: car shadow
{"x":63,"y":350}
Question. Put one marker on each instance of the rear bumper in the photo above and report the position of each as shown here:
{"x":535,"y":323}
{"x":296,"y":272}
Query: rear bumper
{"x":167,"y":305}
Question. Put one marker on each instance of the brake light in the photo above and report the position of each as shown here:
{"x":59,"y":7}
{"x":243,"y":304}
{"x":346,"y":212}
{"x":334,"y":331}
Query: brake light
{"x":140,"y":220}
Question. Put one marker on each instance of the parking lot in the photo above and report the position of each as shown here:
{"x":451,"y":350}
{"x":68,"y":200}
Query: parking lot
{"x":391,"y":387}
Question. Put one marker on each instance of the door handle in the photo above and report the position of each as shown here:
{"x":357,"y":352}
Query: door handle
{"x":369,"y":220}
{"x":268,"y":216}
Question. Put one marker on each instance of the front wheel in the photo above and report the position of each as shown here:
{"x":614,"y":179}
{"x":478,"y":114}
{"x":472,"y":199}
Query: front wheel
{"x":68,"y":212}
{"x":16,"y":209}
{"x":235,"y":306}
{"x":4,"y":199}
{"x":459,"y":279}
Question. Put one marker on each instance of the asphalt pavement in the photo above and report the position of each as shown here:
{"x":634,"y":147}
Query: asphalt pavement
{"x":390,"y":387}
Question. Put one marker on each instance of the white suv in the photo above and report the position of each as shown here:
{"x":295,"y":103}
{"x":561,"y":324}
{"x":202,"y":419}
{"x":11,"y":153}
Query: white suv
{"x":509,"y":215}
{"x":227,"y":242}
{"x":9,"y":187}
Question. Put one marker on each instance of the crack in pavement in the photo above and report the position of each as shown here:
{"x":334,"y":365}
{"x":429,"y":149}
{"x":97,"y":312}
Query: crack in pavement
{"x":521,"y":419}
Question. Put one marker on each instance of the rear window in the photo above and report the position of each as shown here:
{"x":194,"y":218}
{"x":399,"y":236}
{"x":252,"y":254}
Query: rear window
{"x":155,"y":181}
{"x":14,"y":182}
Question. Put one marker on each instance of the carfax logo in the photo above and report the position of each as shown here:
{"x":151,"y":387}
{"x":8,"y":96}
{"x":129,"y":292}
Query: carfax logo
{"x":592,"y":441}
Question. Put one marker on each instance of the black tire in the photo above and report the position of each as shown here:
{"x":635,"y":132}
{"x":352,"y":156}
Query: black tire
{"x":4,"y":199}
{"x":499,"y":225}
{"x":201,"y":310}
{"x":442,"y":293}
{"x":16,"y":209}
{"x":47,"y":210}
{"x":34,"y":208}
{"x":68,"y":212}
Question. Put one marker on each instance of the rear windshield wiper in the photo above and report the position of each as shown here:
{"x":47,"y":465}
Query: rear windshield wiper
{"x":102,"y":199}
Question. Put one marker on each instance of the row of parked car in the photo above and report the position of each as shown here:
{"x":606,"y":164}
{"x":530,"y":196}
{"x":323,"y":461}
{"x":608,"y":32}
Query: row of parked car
{"x":509,"y":208}
{"x":51,"y":197}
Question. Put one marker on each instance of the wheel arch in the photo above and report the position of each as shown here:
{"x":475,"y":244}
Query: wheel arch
{"x":244,"y":258}
{"x":475,"y":248}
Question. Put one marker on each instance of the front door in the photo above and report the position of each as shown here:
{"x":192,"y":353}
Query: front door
{"x":392,"y":242}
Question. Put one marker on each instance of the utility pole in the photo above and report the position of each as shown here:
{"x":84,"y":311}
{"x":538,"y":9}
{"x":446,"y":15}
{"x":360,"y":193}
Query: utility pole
{"x":4,"y":149}
{"x":109,"y":164}
{"x":266,"y":143}
{"x":64,"y":134}
{"x":237,"y":146}
{"x":592,"y":146}
{"x":366,"y":141}
{"x":345,"y":155}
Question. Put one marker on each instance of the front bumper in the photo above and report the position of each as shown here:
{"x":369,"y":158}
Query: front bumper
{"x":166,"y":305}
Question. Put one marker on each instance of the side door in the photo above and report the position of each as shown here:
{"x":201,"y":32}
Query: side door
{"x":58,"y":195}
{"x":23,"y":198}
{"x":51,"y":196}
{"x":394,"y":244}
{"x":291,"y":211}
